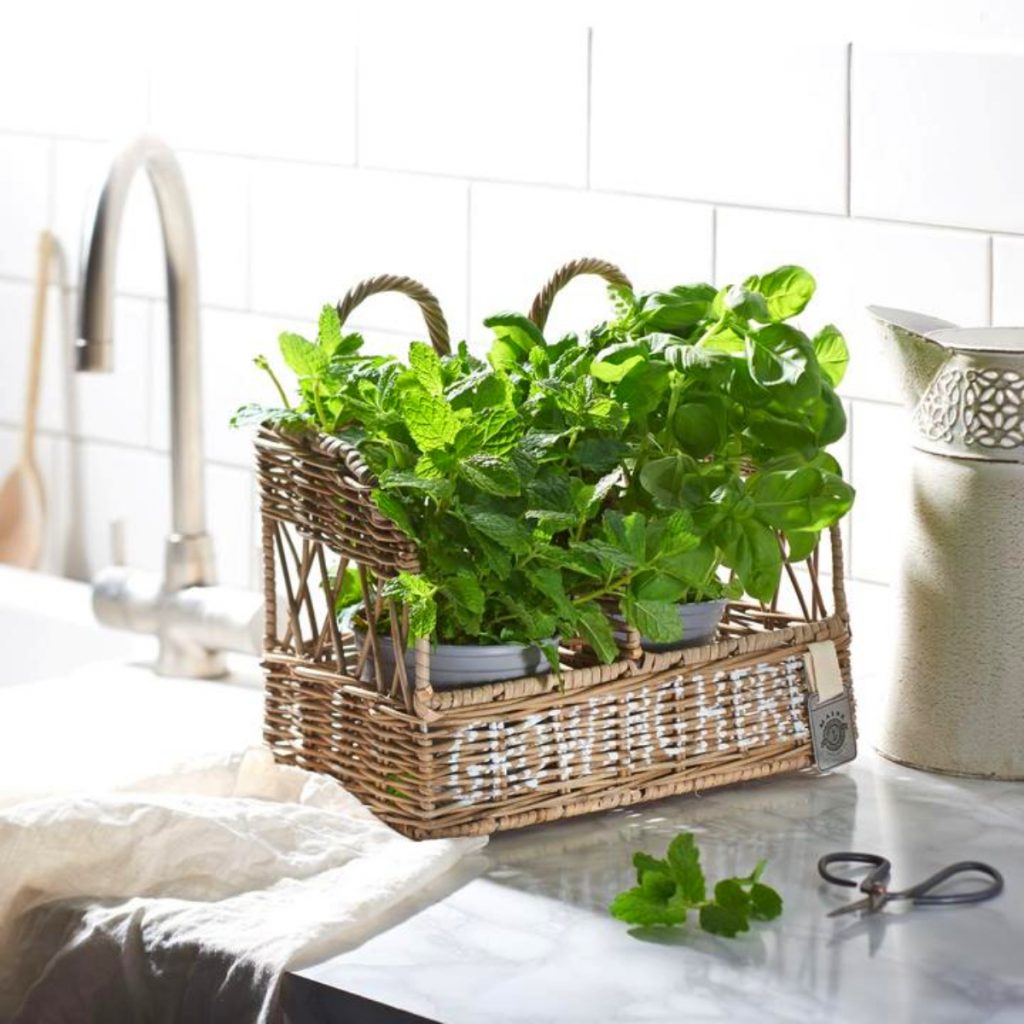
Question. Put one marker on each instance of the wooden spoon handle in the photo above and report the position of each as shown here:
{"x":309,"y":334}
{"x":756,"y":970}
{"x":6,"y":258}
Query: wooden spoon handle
{"x":35,"y":358}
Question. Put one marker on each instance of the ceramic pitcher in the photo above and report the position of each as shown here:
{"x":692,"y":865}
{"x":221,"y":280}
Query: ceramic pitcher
{"x":956,"y":699}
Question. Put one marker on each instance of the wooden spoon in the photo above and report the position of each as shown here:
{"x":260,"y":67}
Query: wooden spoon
{"x":22,"y":506}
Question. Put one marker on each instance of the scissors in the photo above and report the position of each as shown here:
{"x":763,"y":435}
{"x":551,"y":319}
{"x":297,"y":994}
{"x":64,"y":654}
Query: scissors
{"x":877,"y":895}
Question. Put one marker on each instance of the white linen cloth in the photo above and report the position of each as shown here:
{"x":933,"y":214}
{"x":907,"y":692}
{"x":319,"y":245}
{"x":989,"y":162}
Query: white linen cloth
{"x":185,"y":897}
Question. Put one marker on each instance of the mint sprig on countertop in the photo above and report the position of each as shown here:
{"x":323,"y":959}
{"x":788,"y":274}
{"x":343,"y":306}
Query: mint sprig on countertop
{"x":668,"y":889}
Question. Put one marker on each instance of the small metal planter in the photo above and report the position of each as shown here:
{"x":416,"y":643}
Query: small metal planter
{"x":456,"y":665}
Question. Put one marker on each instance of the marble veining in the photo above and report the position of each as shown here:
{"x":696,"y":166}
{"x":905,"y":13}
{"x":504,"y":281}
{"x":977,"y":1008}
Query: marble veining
{"x":526,"y":940}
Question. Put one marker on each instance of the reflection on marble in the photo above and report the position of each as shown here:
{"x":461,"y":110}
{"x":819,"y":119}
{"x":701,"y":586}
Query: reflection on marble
{"x":529,"y":940}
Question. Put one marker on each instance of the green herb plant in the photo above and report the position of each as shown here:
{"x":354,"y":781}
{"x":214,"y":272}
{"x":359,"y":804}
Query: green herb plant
{"x":668,"y":889}
{"x":715,"y":414}
{"x":675,"y":453}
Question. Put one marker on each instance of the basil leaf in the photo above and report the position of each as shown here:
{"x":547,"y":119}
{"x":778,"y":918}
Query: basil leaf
{"x":786,"y":291}
{"x":833,"y":355}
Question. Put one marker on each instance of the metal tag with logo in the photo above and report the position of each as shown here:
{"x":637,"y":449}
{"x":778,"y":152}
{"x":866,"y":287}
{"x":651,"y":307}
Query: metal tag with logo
{"x":832,"y":735}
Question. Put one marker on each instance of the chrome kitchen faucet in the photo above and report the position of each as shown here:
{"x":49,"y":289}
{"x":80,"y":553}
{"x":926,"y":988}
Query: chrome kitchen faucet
{"x":193,"y":619}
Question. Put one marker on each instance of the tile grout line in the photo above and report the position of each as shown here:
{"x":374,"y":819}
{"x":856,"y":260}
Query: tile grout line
{"x":482,"y":179}
{"x":991,"y":270}
{"x":589,"y":104}
{"x":355,"y":104}
{"x":714,"y":245}
{"x":849,"y":129}
{"x":469,"y":257}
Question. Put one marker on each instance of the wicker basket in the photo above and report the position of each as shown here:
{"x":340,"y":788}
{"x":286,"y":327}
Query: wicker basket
{"x":474,"y":760}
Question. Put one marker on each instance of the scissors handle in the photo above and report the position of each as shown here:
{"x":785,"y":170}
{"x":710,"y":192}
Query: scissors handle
{"x":922,"y":893}
{"x":873,"y":881}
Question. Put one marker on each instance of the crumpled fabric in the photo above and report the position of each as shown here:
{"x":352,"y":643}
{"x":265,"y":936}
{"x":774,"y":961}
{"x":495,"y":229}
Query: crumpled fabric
{"x":186,"y":897}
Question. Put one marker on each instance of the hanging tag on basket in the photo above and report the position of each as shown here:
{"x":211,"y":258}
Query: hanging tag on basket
{"x":829,"y":712}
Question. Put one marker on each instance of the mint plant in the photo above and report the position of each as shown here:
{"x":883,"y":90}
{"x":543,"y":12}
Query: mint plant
{"x":668,"y":889}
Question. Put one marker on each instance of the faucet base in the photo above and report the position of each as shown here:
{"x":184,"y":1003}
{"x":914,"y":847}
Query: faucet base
{"x":193,"y":625}
{"x":188,"y":561}
{"x":180,"y":657}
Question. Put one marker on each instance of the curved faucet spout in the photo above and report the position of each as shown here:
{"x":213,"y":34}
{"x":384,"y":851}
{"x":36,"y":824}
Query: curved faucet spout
{"x":189,"y":560}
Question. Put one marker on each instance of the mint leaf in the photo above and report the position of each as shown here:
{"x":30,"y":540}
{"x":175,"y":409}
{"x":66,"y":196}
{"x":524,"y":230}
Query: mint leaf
{"x":303,"y":358}
{"x":724,"y":921}
{"x":491,"y":474}
{"x":765,"y":902}
{"x":393,"y":508}
{"x":684,"y":860}
{"x":417,"y":594}
{"x":645,"y":862}
{"x":502,"y":529}
{"x":657,"y":620}
{"x":494,"y":431}
{"x":729,"y":893}
{"x":431,"y":421}
{"x":426,"y":365}
{"x":597,"y":631}
{"x":639,"y":907}
{"x":466,"y":591}
{"x":329,"y":331}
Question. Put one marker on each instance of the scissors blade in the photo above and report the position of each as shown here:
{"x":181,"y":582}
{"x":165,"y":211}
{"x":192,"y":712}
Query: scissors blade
{"x":865,"y":904}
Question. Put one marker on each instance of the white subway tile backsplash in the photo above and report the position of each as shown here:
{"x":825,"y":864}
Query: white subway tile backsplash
{"x":511,"y":106}
{"x":316,"y":231}
{"x":935,"y":136}
{"x":115,"y":406}
{"x":881,"y":455}
{"x":280,"y":86}
{"x":765,"y":126}
{"x":857,"y":263}
{"x":120,"y":491}
{"x":24,"y":201}
{"x":229,"y":503}
{"x":52,"y":81}
{"x":16,"y":305}
{"x":521,"y":235}
{"x":1008,"y":281}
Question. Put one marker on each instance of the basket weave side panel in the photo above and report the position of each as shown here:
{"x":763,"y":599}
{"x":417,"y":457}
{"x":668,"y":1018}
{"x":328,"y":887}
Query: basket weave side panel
{"x":484,"y":768}
{"x":325,"y":491}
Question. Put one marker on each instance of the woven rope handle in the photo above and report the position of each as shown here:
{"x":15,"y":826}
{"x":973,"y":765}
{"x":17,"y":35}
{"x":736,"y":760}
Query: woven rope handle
{"x":437,"y":326}
{"x":541,"y":307}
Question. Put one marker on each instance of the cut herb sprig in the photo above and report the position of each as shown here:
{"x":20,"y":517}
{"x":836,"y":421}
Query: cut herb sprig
{"x":670,"y":888}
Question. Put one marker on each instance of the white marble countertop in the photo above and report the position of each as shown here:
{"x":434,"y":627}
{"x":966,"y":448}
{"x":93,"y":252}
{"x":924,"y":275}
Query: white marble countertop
{"x":528,"y":939}
{"x":524,"y":937}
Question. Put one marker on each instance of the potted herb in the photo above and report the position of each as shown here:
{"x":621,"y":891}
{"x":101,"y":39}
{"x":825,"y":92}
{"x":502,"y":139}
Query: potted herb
{"x":464,"y":470}
{"x":703,"y":418}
